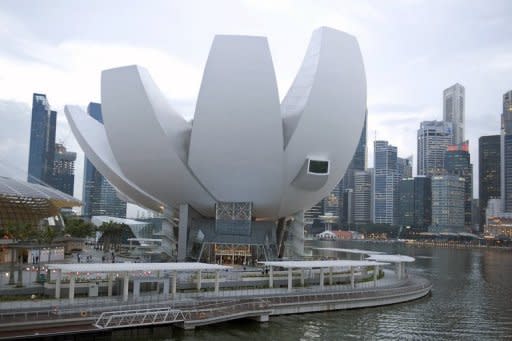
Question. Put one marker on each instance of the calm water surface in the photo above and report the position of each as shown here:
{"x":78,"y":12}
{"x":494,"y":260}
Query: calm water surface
{"x":471,"y":300}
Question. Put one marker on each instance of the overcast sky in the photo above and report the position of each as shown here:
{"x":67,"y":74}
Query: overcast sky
{"x":412,"y":50}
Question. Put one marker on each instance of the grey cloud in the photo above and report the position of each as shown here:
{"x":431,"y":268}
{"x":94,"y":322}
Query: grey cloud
{"x":396,"y":107}
{"x":14,"y":138}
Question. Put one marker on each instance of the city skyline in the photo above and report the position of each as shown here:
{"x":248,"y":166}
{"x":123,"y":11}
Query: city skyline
{"x":406,"y":75}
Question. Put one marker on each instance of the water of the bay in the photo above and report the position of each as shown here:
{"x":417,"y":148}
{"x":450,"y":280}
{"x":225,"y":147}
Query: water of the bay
{"x":471,"y":300}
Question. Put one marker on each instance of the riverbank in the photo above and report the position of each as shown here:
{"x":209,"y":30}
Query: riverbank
{"x":414,"y":243}
{"x":444,"y":244}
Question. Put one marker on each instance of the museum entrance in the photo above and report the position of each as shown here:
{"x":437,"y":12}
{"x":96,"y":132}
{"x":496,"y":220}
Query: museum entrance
{"x":233,"y":254}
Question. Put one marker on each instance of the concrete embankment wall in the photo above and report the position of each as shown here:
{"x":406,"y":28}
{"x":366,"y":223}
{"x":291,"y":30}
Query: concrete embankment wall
{"x":348,"y":303}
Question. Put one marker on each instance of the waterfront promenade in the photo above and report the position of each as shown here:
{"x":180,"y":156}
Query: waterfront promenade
{"x":192,"y":309}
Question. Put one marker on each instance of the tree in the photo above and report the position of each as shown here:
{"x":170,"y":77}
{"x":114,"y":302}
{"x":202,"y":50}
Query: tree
{"x":112,"y":234}
{"x":79,"y":228}
{"x":24,"y":233}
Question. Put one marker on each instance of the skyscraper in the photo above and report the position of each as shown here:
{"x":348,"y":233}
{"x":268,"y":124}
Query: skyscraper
{"x":362,"y":197}
{"x":422,"y":203}
{"x":506,"y":152}
{"x":63,"y":170}
{"x":415,"y":203}
{"x":348,"y":206}
{"x":42,"y":140}
{"x":358,"y":163}
{"x":99,"y":197}
{"x":448,"y":193}
{"x":453,"y":110}
{"x":404,"y":167}
{"x":433,"y":140}
{"x":457,"y":161}
{"x":489,"y":159}
{"x":406,"y":202}
{"x":385,"y":183}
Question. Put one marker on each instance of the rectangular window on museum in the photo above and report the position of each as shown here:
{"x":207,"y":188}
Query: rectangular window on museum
{"x":318,"y":167}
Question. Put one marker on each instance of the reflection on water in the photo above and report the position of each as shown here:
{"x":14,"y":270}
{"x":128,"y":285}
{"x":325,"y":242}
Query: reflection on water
{"x":471,"y":299}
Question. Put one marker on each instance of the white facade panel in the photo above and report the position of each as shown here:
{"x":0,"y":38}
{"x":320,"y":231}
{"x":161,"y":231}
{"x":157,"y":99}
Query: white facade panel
{"x":149,"y":139}
{"x":236,"y":148}
{"x":91,"y":136}
{"x":329,"y":125}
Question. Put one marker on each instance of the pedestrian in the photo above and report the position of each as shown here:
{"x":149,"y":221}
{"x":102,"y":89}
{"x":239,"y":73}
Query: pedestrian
{"x":103,"y":259}
{"x":33,"y":260}
{"x":37,"y":259}
{"x":78,"y":257}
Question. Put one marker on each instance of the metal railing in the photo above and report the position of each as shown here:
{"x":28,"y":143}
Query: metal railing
{"x":135,"y":318}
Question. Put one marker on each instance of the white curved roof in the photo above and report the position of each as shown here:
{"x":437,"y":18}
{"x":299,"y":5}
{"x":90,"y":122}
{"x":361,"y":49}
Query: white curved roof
{"x":391,"y":258}
{"x":236,"y":147}
{"x":22,"y":202}
{"x":17,"y":188}
{"x":355,"y":251}
{"x":131,"y":267}
{"x":92,"y":137}
{"x":243,"y":145}
{"x":342,"y":263}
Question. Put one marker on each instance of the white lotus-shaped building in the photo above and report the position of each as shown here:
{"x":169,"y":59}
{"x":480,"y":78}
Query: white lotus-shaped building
{"x":242,"y":145}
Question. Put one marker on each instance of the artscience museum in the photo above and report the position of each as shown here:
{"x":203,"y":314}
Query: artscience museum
{"x":233,"y":182}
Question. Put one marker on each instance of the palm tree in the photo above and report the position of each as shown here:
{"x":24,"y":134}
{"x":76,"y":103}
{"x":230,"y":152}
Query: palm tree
{"x":79,"y":228}
{"x":112,"y":234}
{"x":49,"y":234}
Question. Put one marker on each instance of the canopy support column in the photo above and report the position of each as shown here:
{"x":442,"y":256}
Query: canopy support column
{"x":217,"y":281}
{"x":173,"y":283}
{"x":109,"y":284}
{"x":290,"y":279}
{"x":58,"y":283}
{"x":271,"y":277}
{"x":126,"y":282}
{"x":72,"y":280}
{"x":375,"y":275}
{"x":166,"y":288}
{"x":322,"y":278}
{"x":352,"y":280}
